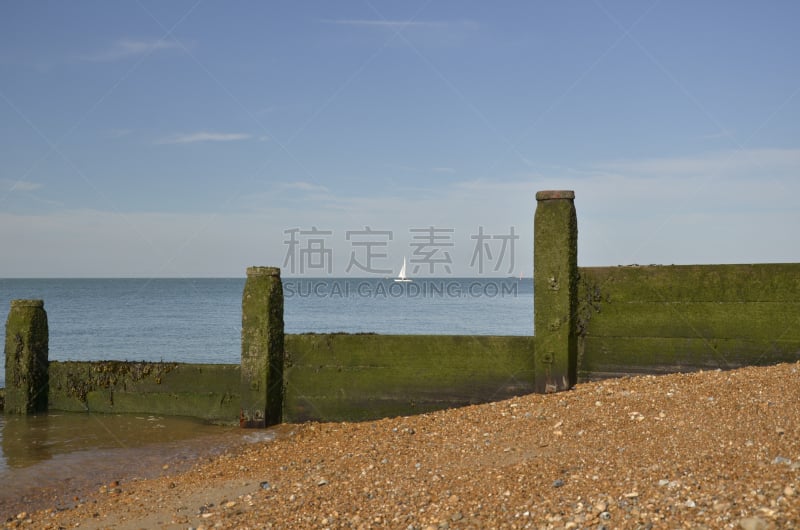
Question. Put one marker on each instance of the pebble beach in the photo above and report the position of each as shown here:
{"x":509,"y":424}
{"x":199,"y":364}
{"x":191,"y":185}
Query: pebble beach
{"x":717,"y":449}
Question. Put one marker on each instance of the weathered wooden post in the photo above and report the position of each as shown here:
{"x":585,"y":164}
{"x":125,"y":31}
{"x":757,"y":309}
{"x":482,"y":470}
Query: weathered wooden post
{"x":26,"y":357}
{"x":555,"y":291}
{"x":262,"y":348}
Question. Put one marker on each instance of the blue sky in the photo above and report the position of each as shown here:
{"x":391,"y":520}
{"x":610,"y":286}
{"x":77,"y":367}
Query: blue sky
{"x":185,"y":138}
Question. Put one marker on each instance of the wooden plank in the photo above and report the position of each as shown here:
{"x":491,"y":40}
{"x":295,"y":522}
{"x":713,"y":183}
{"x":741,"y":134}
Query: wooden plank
{"x":770,"y":282}
{"x":632,"y":355}
{"x":337,"y":377}
{"x":710,"y":320}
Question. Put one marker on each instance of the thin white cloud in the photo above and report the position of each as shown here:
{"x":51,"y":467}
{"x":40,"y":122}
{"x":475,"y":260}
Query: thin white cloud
{"x":391,"y":24}
{"x":436,"y":169}
{"x":118,"y":133}
{"x":447,"y":33}
{"x":21,"y":185}
{"x":127,"y":48}
{"x":724,"y":133}
{"x":734,"y":163}
{"x":305,"y":186}
{"x":204,"y":136}
{"x":638,"y":213}
{"x":95,"y":243}
{"x":718,"y":207}
{"x":398,"y":25}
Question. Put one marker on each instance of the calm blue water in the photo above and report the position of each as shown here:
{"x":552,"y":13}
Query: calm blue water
{"x":199,"y":320}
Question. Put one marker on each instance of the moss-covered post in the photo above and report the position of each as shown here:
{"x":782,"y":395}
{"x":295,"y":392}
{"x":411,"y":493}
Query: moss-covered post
{"x":555,"y":290}
{"x":262,"y":348}
{"x":26,"y":357}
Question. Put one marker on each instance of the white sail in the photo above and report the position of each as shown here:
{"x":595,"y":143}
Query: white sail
{"x":401,"y":277}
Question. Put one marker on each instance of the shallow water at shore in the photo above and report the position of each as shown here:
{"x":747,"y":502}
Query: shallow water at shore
{"x":54,"y":459}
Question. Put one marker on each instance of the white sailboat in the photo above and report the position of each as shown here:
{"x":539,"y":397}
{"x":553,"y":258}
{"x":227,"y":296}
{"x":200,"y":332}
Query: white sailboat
{"x":401,"y":277}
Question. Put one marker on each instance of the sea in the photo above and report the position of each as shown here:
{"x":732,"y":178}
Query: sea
{"x":198,"y":320}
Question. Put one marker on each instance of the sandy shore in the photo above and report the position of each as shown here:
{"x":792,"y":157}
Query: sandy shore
{"x":702,"y":450}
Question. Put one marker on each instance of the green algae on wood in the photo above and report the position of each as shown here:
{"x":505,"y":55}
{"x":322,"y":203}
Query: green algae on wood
{"x":26,"y":352}
{"x":658,"y":319}
{"x":262,"y":348}
{"x":354,"y":377}
{"x":555,"y":288}
{"x":78,"y":379}
{"x":206,"y":391}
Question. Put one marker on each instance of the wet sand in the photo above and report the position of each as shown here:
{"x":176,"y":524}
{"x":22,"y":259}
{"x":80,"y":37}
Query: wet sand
{"x":52,"y":459}
{"x":702,"y":450}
